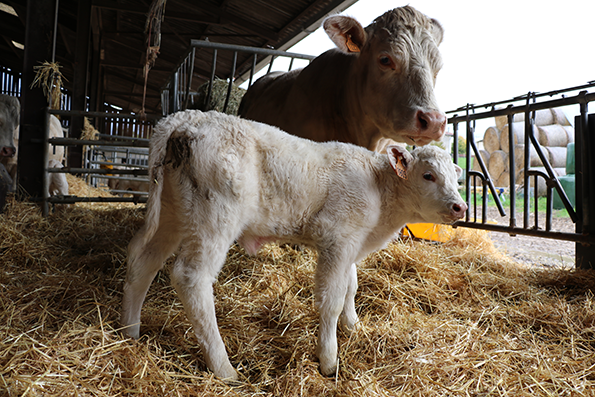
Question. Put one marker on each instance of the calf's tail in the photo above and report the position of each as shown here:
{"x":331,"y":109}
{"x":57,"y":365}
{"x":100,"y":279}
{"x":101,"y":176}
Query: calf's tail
{"x":157,"y":153}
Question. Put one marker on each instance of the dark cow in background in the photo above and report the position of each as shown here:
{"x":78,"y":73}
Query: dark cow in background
{"x":377,"y":85}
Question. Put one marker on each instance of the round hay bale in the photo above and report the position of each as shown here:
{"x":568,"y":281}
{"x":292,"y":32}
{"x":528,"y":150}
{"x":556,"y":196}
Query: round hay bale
{"x":518,"y":130}
{"x":560,"y":117}
{"x":491,"y":139}
{"x":557,"y":156}
{"x":504,"y":180}
{"x":552,"y":135}
{"x":542,"y":117}
{"x":541,"y":185}
{"x":570,"y":132}
{"x":485,"y":156}
{"x":498,"y":164}
{"x":519,"y":157}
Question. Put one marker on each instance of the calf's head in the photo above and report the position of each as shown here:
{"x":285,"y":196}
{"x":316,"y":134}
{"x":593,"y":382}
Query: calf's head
{"x":432,"y":181}
{"x":9,"y":121}
{"x":395,"y":72}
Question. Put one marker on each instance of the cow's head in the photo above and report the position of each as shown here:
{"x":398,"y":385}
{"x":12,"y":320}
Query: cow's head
{"x":397,"y":64}
{"x":9,"y":122}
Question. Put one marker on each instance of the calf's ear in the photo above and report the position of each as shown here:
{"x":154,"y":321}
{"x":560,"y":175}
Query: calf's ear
{"x":347,"y":33}
{"x":458,"y":170}
{"x":399,"y":158}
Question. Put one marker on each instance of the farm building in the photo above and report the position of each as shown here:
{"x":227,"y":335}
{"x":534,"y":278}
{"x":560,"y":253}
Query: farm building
{"x":442,"y":312}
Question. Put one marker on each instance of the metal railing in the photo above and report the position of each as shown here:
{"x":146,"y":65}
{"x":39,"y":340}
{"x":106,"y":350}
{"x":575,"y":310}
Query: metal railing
{"x":176,"y":92}
{"x":479,"y":184}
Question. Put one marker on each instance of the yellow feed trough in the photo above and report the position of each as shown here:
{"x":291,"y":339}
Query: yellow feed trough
{"x":429,"y":231}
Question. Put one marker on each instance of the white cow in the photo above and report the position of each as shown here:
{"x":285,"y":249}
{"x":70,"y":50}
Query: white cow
{"x":10,"y":109}
{"x":218,"y":179}
{"x":57,"y":183}
{"x":9,"y":136}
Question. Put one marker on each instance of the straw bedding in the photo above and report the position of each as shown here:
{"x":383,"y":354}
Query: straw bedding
{"x":456,"y":319}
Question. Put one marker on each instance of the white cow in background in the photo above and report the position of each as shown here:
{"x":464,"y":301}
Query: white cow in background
{"x":220,"y":179}
{"x":9,"y":136}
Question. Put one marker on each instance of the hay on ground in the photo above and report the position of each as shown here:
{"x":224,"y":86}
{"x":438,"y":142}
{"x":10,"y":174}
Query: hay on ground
{"x":452,"y":319}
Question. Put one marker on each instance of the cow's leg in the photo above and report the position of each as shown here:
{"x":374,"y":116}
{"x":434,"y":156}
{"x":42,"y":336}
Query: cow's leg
{"x":332,"y":279}
{"x":348,"y":318}
{"x":144,"y":261}
{"x":193,"y":275}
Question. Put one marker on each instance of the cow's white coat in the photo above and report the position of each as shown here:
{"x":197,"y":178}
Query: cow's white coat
{"x":220,"y":179}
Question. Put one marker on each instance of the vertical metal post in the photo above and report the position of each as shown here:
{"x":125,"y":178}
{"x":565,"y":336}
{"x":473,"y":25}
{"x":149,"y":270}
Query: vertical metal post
{"x":511,"y":171}
{"x":252,"y":69}
{"x":231,"y":76}
{"x":45,"y":208}
{"x":585,"y":205}
{"x":213,"y":68}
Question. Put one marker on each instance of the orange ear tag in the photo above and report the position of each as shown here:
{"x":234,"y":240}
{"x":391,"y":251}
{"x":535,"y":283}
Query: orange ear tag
{"x":351,"y":45}
{"x":401,"y":170}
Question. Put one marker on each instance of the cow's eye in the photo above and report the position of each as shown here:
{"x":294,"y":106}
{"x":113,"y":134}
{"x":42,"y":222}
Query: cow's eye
{"x":429,"y":177}
{"x":386,"y":61}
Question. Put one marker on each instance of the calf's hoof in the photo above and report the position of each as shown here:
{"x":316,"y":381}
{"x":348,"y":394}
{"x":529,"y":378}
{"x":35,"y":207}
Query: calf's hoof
{"x":226,"y":372}
{"x":329,"y":369}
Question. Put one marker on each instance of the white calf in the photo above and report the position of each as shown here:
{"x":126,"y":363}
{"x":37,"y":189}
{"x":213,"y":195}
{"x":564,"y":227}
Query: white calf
{"x":218,"y":179}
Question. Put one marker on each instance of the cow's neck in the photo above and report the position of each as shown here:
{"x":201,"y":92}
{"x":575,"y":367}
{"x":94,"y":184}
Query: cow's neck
{"x":333,"y":95}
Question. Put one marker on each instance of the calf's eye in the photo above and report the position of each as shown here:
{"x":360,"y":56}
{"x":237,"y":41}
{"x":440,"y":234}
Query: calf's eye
{"x":429,"y":177}
{"x":385,"y":61}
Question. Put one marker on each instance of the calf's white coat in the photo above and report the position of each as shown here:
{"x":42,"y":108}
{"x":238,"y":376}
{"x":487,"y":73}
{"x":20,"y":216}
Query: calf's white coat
{"x":219,"y":179}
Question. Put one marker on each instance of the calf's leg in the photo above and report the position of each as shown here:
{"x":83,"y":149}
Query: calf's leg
{"x":193,"y":275}
{"x":348,"y":318}
{"x":332,"y":279}
{"x":144,"y":261}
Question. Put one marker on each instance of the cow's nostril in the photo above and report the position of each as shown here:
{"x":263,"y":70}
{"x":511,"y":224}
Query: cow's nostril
{"x":422,"y":121}
{"x":456,"y":208}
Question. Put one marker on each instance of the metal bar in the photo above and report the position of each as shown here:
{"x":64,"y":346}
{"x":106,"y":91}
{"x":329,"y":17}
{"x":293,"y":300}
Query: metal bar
{"x":105,"y":114}
{"x":78,"y":142}
{"x":74,"y":170}
{"x":213,"y":68}
{"x":590,"y":84}
{"x":573,"y":100}
{"x":580,"y":238}
{"x":511,"y":168}
{"x":241,"y":48}
{"x":253,"y":68}
{"x":230,"y":85}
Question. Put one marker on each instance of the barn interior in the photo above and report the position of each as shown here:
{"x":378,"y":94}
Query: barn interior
{"x":438,"y":319}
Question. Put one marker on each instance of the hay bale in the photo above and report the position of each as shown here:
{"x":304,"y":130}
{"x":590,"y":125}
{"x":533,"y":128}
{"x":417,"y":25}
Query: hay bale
{"x":552,"y":135}
{"x":218,"y":95}
{"x":519,"y":157}
{"x":491,"y":139}
{"x":518,"y":130}
{"x":503,"y":180}
{"x":541,"y":184}
{"x":485,"y":156}
{"x":542,"y":117}
{"x":570,"y":132}
{"x":557,"y":156}
{"x":560,"y":117}
{"x":498,"y":164}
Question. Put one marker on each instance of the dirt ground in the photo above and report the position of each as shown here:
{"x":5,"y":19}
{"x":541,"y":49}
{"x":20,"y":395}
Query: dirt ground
{"x":535,"y":250}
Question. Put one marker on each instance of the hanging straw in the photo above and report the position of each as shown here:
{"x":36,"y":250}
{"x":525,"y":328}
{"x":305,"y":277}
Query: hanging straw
{"x":153,"y":32}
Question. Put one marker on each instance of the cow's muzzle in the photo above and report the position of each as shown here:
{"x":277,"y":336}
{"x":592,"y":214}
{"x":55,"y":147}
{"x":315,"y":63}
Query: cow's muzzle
{"x":430,"y":126}
{"x":8,"y":151}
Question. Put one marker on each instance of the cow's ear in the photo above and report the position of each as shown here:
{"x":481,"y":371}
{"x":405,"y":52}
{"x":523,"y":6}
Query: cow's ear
{"x":399,"y":159}
{"x":347,"y":33}
{"x":437,"y":31}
